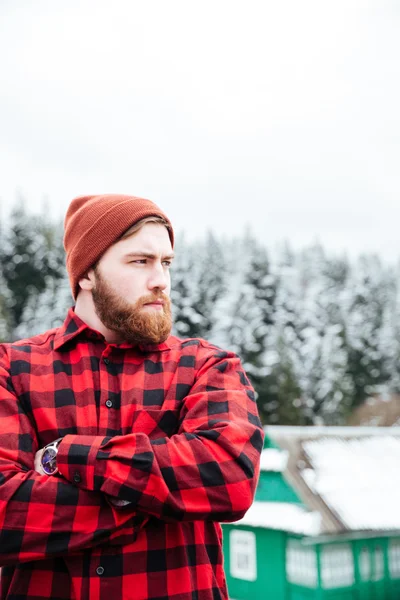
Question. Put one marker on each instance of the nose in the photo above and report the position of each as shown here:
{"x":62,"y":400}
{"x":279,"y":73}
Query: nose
{"x":159,"y":278}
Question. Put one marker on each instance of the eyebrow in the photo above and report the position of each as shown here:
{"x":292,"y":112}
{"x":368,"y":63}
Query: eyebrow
{"x":142,"y":254}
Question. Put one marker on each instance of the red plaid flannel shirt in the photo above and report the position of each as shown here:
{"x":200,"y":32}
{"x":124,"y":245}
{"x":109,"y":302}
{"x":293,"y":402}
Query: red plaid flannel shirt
{"x":173,"y":429}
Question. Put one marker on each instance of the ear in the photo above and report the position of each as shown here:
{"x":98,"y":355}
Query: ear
{"x":87,"y":281}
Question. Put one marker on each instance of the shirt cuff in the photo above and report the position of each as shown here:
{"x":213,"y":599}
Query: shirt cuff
{"x":76,"y":459}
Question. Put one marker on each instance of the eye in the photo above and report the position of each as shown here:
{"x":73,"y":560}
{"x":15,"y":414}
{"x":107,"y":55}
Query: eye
{"x":167,"y":263}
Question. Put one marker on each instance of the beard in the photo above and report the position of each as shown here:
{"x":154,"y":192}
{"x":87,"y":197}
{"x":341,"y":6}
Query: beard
{"x":135,"y":325}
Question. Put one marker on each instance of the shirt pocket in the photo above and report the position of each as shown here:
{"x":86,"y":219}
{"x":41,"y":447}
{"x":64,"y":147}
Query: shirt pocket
{"x":156,"y":423}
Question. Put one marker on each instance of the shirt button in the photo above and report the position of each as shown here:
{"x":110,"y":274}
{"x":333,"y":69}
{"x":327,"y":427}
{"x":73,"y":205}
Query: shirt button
{"x":77,"y":477}
{"x":100,"y":570}
{"x":109,"y":403}
{"x":106,"y":361}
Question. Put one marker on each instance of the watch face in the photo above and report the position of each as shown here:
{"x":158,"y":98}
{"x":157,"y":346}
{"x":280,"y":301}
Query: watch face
{"x":49,"y":463}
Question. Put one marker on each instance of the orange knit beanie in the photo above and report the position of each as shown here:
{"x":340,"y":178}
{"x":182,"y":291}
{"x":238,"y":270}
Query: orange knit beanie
{"x":93,"y":223}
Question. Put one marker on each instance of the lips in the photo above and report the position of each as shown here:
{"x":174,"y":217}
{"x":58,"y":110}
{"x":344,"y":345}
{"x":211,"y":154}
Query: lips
{"x":158,"y":303}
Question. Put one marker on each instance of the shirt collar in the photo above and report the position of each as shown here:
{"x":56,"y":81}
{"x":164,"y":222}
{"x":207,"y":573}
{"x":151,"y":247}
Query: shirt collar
{"x":73,"y":326}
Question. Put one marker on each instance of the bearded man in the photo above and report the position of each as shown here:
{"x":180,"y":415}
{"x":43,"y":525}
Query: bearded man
{"x":122,"y":447}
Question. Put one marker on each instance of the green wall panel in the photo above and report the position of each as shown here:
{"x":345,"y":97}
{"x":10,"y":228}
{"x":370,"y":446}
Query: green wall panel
{"x":270,"y":582}
{"x":272,"y":487}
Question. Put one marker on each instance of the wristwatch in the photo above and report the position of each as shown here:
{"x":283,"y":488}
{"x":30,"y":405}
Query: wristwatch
{"x":49,"y":457}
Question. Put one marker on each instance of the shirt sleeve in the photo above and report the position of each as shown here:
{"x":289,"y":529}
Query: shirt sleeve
{"x":42,"y":516}
{"x":208,"y":470}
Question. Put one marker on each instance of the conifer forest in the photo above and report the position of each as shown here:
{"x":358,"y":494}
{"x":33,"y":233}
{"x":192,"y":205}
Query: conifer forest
{"x":317,"y":333}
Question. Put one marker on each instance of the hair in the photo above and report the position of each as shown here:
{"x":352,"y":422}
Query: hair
{"x":140,"y":224}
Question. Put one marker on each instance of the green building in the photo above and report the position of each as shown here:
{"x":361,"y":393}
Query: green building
{"x":325,"y":523}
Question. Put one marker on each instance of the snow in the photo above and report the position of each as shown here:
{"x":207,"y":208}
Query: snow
{"x":357,"y":479}
{"x":282,"y":516}
{"x":276,"y":431}
{"x":273,"y":460}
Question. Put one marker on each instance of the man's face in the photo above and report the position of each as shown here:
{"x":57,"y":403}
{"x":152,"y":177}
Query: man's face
{"x":132,"y":286}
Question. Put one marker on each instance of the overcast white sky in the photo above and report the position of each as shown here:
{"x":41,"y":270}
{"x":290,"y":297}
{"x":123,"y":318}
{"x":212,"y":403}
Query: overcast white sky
{"x":280,"y":114}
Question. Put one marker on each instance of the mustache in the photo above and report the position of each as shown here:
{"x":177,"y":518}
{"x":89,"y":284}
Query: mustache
{"x":154,"y":297}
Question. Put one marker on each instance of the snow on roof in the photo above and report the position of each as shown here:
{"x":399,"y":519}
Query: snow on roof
{"x":324,"y":430}
{"x":357,"y":478}
{"x":282,"y":516}
{"x":273,"y":460}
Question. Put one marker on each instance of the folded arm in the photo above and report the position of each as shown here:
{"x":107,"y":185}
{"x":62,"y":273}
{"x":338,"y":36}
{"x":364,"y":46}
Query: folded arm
{"x":42,"y":516}
{"x":208,"y":470}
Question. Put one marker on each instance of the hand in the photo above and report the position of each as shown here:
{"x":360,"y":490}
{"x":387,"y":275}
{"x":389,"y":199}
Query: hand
{"x":117,"y":502}
{"x":38,"y":462}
